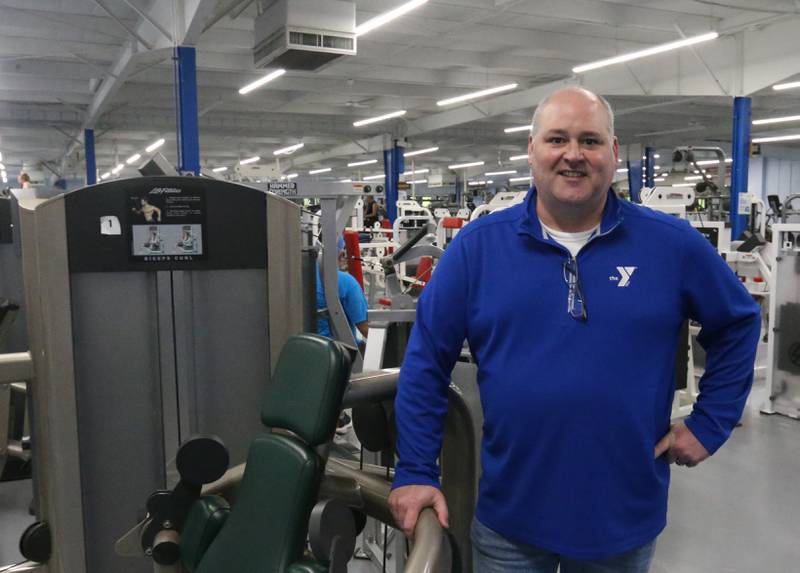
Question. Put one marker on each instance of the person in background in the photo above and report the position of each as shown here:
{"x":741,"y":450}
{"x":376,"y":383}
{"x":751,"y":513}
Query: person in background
{"x":354,"y":302}
{"x":24,"y":180}
{"x":573,"y":319}
{"x":371,"y":211}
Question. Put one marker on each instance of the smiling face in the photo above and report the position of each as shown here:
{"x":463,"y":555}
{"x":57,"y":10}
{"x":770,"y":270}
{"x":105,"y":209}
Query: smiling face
{"x":573,"y":156}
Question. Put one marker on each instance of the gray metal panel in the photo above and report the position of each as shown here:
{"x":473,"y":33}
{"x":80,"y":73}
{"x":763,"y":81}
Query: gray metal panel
{"x":54,"y":420}
{"x":117,"y":369}
{"x":11,"y":287}
{"x":222,"y":353}
{"x":284,"y":273}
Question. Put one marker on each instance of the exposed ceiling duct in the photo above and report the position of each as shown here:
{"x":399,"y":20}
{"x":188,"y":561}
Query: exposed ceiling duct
{"x":304,"y":34}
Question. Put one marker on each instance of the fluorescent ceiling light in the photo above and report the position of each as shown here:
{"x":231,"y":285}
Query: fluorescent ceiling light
{"x":133,"y":158}
{"x":367,"y":162}
{"x":249,"y":160}
{"x":2,"y":167}
{"x":518,"y":128}
{"x":105,"y":175}
{"x":3,"y":173}
{"x":473,"y":95}
{"x":117,"y":169}
{"x":713,"y":161}
{"x":514,"y":179}
{"x":693,"y":178}
{"x":644,"y":53}
{"x":518,"y":157}
{"x":656,"y":167}
{"x":789,"y":86}
{"x":465,"y":165}
{"x":623,"y":170}
{"x":318,"y":171}
{"x":219,"y":169}
{"x":481,"y":182}
{"x":288,"y":150}
{"x":291,"y":176}
{"x":776,"y":120}
{"x":418,"y":181}
{"x":261,"y":81}
{"x":660,"y":179}
{"x":371,"y":177}
{"x":155,"y":145}
{"x":656,"y":156}
{"x":346,"y":181}
{"x":387,"y":17}
{"x":379,"y":118}
{"x":683,"y":184}
{"x":420,"y":151}
{"x":511,"y":172}
{"x":777,"y":138}
{"x":1,"y":156}
{"x":417,"y":172}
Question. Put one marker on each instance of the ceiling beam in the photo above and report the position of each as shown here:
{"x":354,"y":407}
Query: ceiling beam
{"x":192,"y":15}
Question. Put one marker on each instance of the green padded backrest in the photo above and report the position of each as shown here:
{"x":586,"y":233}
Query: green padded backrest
{"x":266,"y":531}
{"x":305,"y":393}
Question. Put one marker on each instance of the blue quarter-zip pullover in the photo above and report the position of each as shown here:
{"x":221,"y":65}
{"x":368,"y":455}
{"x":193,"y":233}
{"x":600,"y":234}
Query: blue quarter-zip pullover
{"x":573,"y":409}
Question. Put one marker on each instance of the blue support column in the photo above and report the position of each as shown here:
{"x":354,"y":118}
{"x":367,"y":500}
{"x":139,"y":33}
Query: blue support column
{"x":635,"y":179}
{"x":399,"y":167}
{"x":186,"y":101}
{"x":649,"y":166}
{"x":741,"y":162}
{"x":393,"y":166}
{"x":88,"y":150}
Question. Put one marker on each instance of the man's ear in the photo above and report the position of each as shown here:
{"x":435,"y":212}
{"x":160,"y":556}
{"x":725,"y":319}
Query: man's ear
{"x":530,"y":150}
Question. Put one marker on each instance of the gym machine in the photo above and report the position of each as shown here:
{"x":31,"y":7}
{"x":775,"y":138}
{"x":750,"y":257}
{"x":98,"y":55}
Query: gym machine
{"x":783,"y":343}
{"x":136,"y":350}
{"x":14,"y":441}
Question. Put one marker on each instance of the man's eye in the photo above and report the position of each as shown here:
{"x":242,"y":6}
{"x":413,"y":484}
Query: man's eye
{"x":556,"y":140}
{"x":591,"y":141}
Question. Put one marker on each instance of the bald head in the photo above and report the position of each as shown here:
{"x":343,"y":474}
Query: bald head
{"x":574,"y":92}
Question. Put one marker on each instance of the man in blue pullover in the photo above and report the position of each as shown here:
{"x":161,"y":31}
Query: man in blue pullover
{"x":571,"y":303}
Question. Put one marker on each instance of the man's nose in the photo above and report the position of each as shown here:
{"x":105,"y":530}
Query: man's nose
{"x":573,"y":151}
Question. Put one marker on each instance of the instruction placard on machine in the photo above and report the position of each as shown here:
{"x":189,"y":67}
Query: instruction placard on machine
{"x":166,"y":224}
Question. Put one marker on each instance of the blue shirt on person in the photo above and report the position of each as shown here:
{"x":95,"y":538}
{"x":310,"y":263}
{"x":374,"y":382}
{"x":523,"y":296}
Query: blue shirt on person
{"x":353,"y":302}
{"x":573,"y":408}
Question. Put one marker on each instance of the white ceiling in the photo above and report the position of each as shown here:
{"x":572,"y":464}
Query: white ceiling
{"x":67,"y":64}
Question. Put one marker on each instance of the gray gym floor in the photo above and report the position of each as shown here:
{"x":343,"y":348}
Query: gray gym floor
{"x":738,"y":512}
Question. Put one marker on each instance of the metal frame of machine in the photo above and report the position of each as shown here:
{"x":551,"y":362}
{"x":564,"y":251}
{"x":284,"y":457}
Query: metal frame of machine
{"x":783,"y":350}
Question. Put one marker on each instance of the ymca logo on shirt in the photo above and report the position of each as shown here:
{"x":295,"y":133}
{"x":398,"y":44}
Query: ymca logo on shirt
{"x":624,"y":278}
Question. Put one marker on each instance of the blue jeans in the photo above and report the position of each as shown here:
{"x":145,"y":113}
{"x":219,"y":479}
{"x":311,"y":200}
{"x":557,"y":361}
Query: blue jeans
{"x":493,"y":553}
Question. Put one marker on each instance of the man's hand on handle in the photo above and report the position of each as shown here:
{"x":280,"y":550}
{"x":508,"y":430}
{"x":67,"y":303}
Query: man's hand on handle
{"x":406,"y":502}
{"x":681,"y":447}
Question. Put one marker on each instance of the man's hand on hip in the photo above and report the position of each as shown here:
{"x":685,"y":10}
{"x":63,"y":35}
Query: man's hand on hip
{"x":406,"y":502}
{"x":681,"y":447}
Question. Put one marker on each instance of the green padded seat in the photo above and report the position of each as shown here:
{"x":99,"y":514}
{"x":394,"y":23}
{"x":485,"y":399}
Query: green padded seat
{"x":204,"y":522}
{"x":267,"y":527}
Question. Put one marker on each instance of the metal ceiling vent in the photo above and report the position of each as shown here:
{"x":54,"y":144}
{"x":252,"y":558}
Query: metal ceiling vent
{"x":304,"y":34}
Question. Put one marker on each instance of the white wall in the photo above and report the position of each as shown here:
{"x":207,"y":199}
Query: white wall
{"x":774,"y":176}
